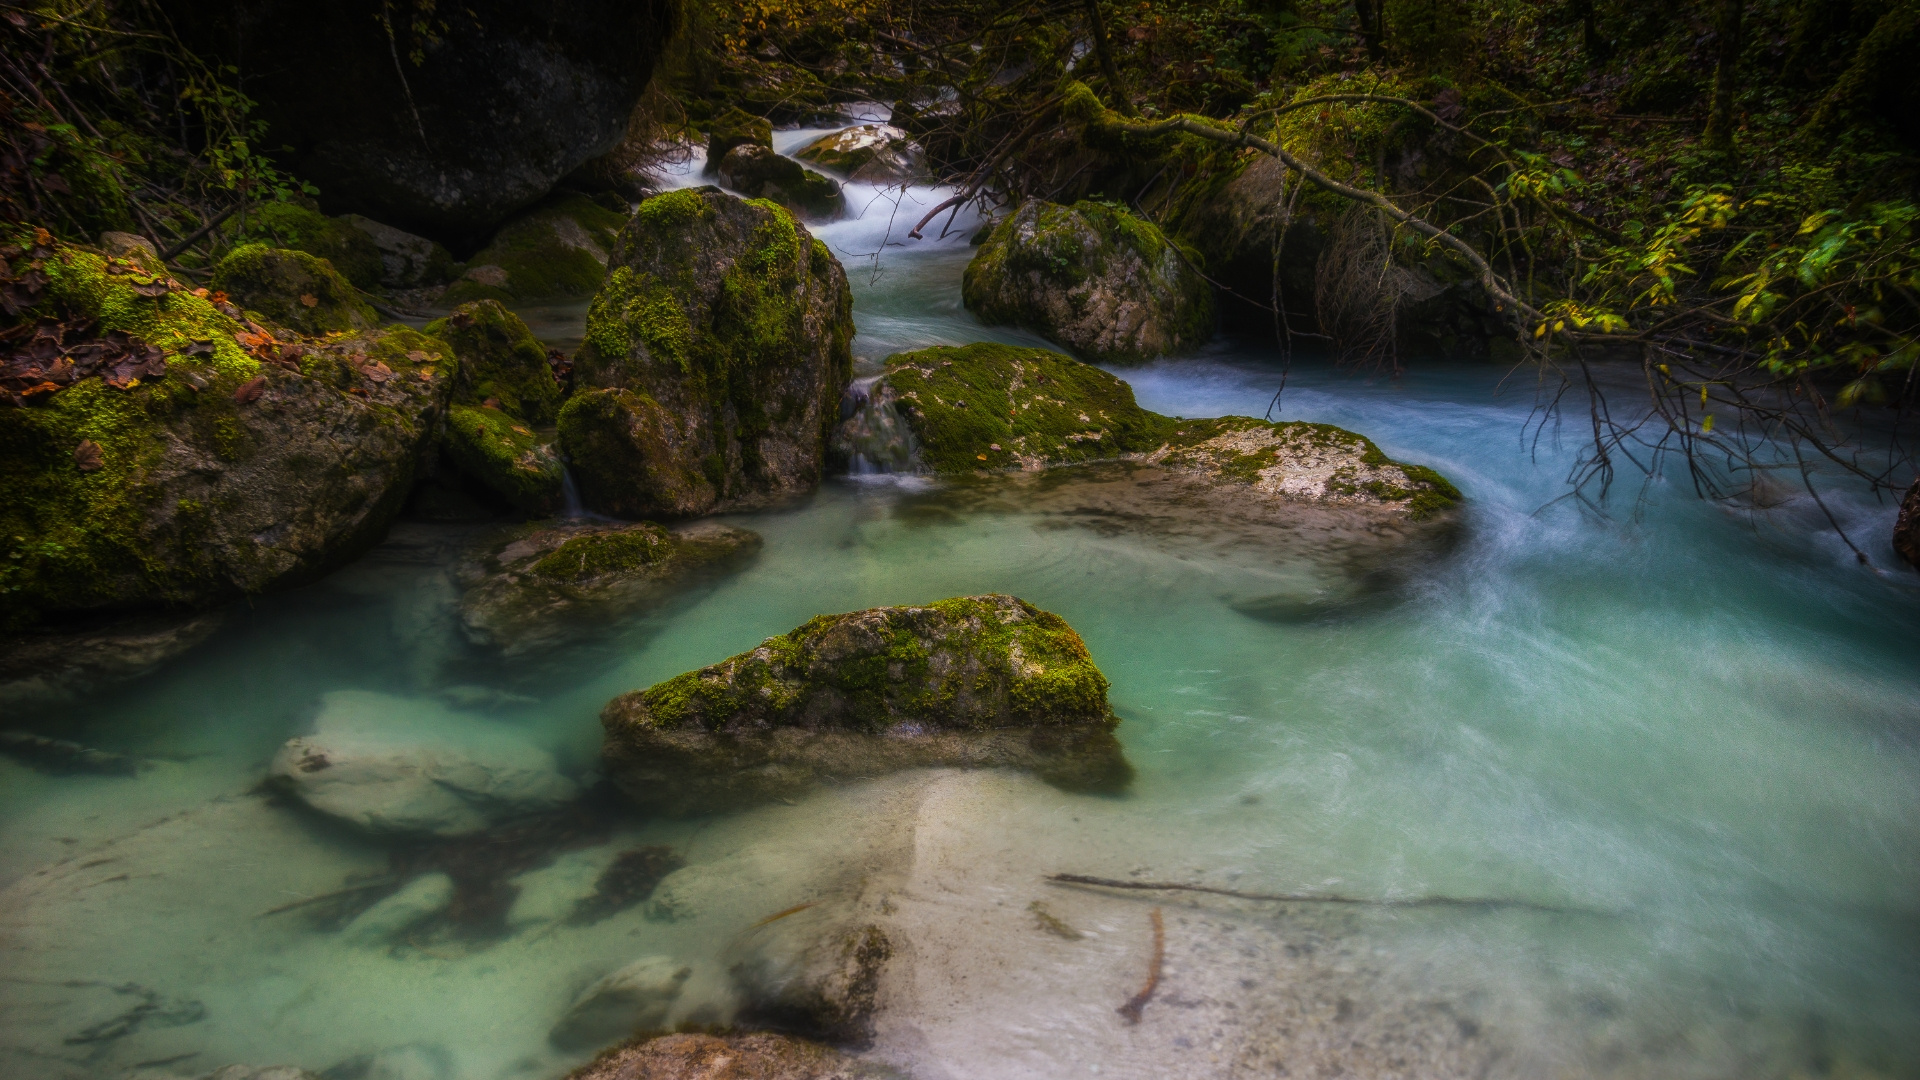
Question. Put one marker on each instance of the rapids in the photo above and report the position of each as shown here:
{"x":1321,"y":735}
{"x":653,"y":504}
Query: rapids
{"x":1686,"y":734}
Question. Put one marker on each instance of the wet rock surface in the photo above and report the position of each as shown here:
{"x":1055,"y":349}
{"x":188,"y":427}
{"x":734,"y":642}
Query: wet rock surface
{"x":1092,"y":277}
{"x":402,"y":767}
{"x":974,"y":681}
{"x":715,"y":359}
{"x":734,"y":1057}
{"x":55,"y":663}
{"x":542,"y":585}
{"x":869,"y":154}
{"x":635,"y":998}
{"x":759,"y":173}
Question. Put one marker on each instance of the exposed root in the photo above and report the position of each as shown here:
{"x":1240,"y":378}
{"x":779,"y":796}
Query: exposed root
{"x":1131,"y":1010}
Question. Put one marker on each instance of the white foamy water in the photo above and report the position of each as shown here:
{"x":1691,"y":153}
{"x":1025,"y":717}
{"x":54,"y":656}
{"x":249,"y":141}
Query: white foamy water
{"x":1679,"y":747}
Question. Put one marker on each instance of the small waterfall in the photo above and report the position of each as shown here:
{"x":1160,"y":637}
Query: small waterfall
{"x":873,"y":437}
{"x":571,"y":508}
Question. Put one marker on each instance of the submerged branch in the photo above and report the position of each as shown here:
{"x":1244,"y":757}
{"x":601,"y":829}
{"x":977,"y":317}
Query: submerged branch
{"x":1312,"y":898}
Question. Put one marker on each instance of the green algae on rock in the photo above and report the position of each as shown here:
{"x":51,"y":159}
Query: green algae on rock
{"x":735,"y":127}
{"x":292,"y":289}
{"x":556,"y":251}
{"x":1092,"y":277}
{"x":506,"y":456}
{"x":973,"y":681}
{"x":759,"y":173}
{"x":538,"y":586}
{"x":223,"y":478}
{"x":1305,"y":462}
{"x":501,"y":360}
{"x":715,"y":358}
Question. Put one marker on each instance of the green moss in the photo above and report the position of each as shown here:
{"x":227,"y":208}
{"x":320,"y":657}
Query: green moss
{"x":991,"y":406}
{"x":292,"y":289}
{"x":298,"y":227}
{"x":500,"y":359}
{"x":556,"y":251}
{"x":943,"y":666}
{"x":673,"y":209}
{"x":585,"y":557}
{"x":501,"y":452}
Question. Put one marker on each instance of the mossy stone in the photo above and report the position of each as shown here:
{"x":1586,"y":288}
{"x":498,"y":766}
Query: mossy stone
{"x":500,"y":359}
{"x":974,"y":680}
{"x":1093,"y":277}
{"x":298,"y":227}
{"x":724,"y":332}
{"x":556,"y":251}
{"x":292,"y":289}
{"x":759,"y":173}
{"x":735,"y":127}
{"x":502,"y":453}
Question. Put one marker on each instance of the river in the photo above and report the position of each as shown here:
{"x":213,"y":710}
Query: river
{"x":1678,"y":745}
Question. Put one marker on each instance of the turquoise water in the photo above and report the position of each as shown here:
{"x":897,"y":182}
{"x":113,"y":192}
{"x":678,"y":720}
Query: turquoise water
{"x":1691,"y":730}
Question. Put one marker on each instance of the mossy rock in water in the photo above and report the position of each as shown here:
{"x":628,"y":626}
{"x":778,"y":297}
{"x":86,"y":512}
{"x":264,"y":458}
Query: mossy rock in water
{"x":501,"y":452}
{"x":972,"y":681}
{"x":1303,"y":462}
{"x":222,"y":477}
{"x":759,"y":173}
{"x":990,"y":406}
{"x":539,"y":586}
{"x":1094,"y":278}
{"x":557,"y":251}
{"x":735,"y":127}
{"x":721,"y":347}
{"x":298,"y":227}
{"x":870,"y":154}
{"x":501,"y":360}
{"x":292,"y":289}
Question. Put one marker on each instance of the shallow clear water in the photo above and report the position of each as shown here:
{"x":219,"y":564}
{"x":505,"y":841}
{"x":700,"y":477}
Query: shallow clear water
{"x":1691,"y":734}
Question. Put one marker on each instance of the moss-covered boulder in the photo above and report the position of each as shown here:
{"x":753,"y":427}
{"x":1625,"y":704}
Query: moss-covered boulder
{"x":714,"y":362}
{"x":972,"y":681}
{"x":506,"y":456}
{"x":299,"y":227}
{"x":242,"y":464}
{"x":1092,"y":277}
{"x":292,"y":289}
{"x":735,"y":127}
{"x":500,"y":361}
{"x":540,"y":586}
{"x":406,"y":261}
{"x":869,"y":154}
{"x":1302,"y":462}
{"x":759,"y":173}
{"x":556,"y":251}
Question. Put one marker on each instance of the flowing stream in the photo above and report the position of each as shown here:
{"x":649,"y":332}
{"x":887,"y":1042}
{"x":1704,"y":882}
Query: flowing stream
{"x":1681,"y":745}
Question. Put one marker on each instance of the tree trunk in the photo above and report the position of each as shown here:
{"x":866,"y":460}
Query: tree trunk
{"x":1116,"y":89}
{"x":1368,"y":14}
{"x":1725,"y":73}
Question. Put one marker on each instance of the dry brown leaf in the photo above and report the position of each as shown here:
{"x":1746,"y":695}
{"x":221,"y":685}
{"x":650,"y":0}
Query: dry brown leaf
{"x":251,"y":389}
{"x":309,"y":300}
{"x":87,"y":455}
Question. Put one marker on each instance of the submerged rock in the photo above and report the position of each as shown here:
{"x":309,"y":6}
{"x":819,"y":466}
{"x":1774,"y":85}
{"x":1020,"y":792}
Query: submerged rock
{"x":292,"y":289}
{"x":1906,"y":528}
{"x":55,"y":663}
{"x":418,"y":900}
{"x":635,"y":998}
{"x":406,"y":261}
{"x":543,"y":585}
{"x":245,"y":464}
{"x":261,"y":1072}
{"x":869,"y":154}
{"x":1092,"y":277}
{"x":973,"y":681}
{"x":825,"y":983}
{"x":558,"y":250}
{"x":714,"y":363}
{"x":401,"y":767}
{"x":732,"y":1057}
{"x":759,"y":173}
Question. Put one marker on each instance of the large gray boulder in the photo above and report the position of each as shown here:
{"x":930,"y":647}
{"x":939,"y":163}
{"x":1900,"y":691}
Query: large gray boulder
{"x":185,"y":456}
{"x":444,"y":130}
{"x":715,"y":358}
{"x":971,"y":681}
{"x":1094,"y":278}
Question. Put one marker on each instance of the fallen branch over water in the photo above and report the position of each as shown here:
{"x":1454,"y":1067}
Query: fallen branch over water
{"x":1322,"y":898}
{"x":1131,"y":1010}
